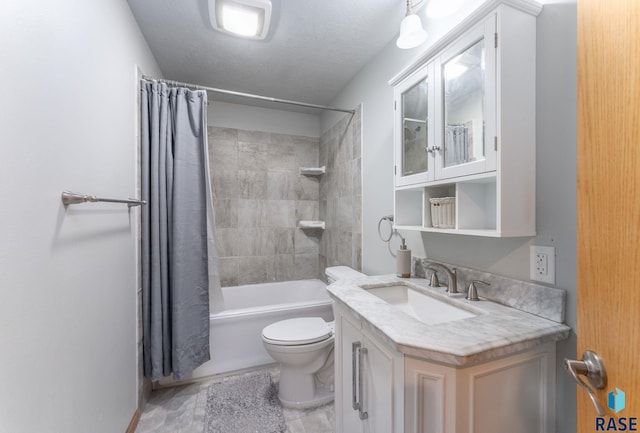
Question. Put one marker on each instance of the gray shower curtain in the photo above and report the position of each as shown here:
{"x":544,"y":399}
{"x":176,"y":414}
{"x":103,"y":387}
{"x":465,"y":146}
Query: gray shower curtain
{"x":175,"y":275}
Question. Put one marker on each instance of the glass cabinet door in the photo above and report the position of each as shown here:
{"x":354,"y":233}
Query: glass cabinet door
{"x":467,"y":74}
{"x":414,"y":129}
{"x":463,"y":78}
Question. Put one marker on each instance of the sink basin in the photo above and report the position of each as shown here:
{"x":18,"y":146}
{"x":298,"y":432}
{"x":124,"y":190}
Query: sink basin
{"x":420,"y":306}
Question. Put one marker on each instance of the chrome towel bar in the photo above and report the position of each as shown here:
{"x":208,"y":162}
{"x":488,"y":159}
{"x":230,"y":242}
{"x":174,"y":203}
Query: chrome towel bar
{"x":75,"y":198}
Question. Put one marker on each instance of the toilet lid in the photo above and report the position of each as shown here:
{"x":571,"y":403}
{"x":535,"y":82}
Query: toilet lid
{"x":301,"y":330}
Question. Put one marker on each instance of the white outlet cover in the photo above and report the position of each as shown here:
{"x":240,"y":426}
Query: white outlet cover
{"x":550,"y":252}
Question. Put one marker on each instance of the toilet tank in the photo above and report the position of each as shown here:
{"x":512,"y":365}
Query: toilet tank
{"x":335,"y":273}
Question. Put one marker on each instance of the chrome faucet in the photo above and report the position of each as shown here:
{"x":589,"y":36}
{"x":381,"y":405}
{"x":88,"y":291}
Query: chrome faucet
{"x":452,"y":283}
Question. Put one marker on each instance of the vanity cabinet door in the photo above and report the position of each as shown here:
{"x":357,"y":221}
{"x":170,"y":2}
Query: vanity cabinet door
{"x":347,"y":334}
{"x":378,"y":384}
{"x":466,"y":75}
{"x":515,"y":394}
{"x":414,"y":132}
{"x":369,"y":377}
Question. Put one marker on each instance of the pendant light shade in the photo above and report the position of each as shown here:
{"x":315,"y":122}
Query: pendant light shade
{"x":411,"y":32}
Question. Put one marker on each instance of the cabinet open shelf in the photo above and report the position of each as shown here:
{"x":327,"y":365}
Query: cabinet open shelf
{"x":475,"y":206}
{"x":468,"y":232}
{"x":479,"y":209}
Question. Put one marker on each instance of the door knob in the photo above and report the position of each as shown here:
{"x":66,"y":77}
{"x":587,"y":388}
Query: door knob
{"x":592,"y":367}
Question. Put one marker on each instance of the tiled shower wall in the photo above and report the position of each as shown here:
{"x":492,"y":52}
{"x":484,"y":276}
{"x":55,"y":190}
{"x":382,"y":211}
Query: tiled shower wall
{"x":341,"y":193}
{"x":259,"y":198}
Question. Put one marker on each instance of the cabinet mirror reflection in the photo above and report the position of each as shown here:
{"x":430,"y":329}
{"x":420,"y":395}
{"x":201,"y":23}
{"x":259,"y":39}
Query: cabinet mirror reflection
{"x":464,"y":78}
{"x":414,"y":135}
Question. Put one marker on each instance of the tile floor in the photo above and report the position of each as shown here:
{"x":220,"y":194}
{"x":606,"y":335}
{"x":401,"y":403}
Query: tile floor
{"x":181,"y":409}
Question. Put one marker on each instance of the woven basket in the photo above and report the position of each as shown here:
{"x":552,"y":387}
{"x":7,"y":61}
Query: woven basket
{"x":443,"y":212}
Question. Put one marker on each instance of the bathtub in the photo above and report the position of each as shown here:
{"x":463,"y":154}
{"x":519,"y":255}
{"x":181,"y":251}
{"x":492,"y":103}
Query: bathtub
{"x":236,"y":332}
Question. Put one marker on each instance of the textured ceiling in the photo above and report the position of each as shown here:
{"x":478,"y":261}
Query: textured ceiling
{"x":313,"y":50}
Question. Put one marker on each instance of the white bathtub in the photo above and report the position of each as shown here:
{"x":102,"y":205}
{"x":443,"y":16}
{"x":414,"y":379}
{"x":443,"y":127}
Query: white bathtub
{"x":236,"y":332}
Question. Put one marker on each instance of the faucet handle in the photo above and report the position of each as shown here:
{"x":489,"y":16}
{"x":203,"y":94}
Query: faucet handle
{"x":433,"y":280}
{"x":472,"y":293}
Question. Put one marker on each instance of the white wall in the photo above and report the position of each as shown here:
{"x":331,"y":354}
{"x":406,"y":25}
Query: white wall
{"x":370,"y":87}
{"x":239,"y":116}
{"x":68,"y":277}
{"x":555,"y":166}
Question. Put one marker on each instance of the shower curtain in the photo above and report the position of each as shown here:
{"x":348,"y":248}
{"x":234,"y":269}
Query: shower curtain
{"x":177,"y":230}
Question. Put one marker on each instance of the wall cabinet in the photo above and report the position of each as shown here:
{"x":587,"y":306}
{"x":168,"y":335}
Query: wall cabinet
{"x":465,"y":126}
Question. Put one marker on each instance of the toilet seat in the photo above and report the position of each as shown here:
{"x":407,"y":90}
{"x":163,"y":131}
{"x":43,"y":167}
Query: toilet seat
{"x":298,"y":331}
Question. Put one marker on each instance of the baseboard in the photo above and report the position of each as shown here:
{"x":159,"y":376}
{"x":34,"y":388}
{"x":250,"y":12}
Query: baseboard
{"x":134,"y":422}
{"x":168,"y":382}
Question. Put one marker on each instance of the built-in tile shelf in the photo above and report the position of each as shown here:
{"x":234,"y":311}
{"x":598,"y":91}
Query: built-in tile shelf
{"x":313,"y":171}
{"x":311,"y":225}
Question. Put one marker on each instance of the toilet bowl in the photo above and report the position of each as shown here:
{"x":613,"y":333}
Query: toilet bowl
{"x":304,"y":348}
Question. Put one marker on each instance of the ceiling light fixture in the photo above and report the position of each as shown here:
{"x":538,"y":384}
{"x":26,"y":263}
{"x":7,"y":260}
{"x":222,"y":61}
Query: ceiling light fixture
{"x":245,"y":18}
{"x":411,"y":32}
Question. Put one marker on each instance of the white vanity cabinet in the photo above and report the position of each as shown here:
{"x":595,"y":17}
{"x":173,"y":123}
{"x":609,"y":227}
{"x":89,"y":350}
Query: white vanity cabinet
{"x":381,"y":390}
{"x":429,"y":368}
{"x":465,"y":125}
{"x":368,"y":381}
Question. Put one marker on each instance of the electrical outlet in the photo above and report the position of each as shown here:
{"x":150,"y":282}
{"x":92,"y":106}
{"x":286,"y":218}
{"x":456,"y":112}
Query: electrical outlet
{"x":543,"y":264}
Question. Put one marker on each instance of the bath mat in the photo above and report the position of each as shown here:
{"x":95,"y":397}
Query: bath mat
{"x":244,"y":404}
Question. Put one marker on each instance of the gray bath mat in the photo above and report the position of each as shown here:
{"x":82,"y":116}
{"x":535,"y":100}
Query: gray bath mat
{"x":244,"y":404}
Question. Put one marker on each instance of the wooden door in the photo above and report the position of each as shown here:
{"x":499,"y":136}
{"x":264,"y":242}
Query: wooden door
{"x":608,"y":200}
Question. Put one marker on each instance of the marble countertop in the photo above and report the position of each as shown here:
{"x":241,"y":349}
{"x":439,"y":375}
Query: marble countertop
{"x":495,"y":331}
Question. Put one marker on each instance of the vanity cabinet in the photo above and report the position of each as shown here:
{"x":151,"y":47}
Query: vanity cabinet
{"x":368,"y":381}
{"x":465,"y":126}
{"x":400,"y":393}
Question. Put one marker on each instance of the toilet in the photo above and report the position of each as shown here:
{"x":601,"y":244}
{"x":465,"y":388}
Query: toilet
{"x":304,"y":348}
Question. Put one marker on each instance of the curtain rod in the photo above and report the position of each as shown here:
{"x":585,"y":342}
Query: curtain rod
{"x":248,"y":95}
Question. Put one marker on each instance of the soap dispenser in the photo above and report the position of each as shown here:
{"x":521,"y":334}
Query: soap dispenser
{"x":403,"y":261}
